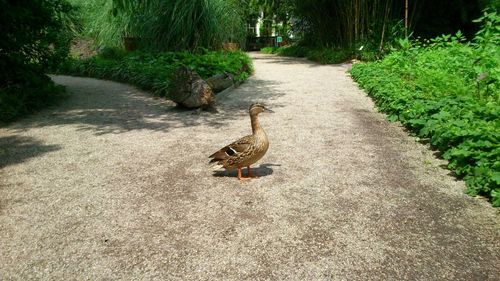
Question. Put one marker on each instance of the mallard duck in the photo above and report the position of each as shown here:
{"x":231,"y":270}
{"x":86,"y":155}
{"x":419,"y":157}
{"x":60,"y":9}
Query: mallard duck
{"x":247,"y":150}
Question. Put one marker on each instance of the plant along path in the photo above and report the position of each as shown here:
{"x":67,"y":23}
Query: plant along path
{"x":115,"y":184}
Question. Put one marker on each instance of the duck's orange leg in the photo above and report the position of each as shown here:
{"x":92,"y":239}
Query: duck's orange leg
{"x":239,"y":173}
{"x":240,"y":177}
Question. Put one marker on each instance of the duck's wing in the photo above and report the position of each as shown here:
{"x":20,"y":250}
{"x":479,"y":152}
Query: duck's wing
{"x":233,"y":150}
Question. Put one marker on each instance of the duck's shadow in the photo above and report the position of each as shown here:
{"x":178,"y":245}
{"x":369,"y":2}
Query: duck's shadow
{"x":261,"y":171}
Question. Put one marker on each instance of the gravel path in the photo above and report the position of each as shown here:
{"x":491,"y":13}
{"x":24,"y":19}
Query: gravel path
{"x":115,"y":184}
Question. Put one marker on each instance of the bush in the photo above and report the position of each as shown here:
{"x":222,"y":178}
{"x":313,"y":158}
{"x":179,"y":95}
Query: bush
{"x":329,"y":55}
{"x":269,"y":50}
{"x":293,"y":51}
{"x":21,"y":99}
{"x":447,"y":92}
{"x":34,"y":36}
{"x":152,"y":71}
{"x":321,"y":55}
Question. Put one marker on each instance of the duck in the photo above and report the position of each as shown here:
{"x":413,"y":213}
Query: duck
{"x":247,"y":150}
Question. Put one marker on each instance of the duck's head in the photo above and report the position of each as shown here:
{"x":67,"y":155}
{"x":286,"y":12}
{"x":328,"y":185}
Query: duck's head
{"x":257,"y":108}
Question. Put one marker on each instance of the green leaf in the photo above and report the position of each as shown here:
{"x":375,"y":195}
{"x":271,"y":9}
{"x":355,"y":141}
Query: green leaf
{"x":496,"y":177}
{"x":495,"y":197}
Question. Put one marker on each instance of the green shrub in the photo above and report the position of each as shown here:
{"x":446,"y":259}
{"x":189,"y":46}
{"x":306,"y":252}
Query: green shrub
{"x":34,"y":37}
{"x":448,"y":92}
{"x":293,"y":51}
{"x":22,"y":99}
{"x":269,"y":50}
{"x":329,"y":55}
{"x":152,"y":71}
{"x":321,"y":55}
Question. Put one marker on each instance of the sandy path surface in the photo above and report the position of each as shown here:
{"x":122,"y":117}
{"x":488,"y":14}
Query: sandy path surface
{"x":115,"y":184}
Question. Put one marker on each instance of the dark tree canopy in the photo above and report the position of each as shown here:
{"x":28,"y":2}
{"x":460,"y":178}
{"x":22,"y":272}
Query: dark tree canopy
{"x":447,"y":17}
{"x":344,"y":23}
{"x":32,"y":37}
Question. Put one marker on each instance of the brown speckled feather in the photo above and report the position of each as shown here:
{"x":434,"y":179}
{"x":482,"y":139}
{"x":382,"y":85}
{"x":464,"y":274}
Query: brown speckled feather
{"x":227,"y":155}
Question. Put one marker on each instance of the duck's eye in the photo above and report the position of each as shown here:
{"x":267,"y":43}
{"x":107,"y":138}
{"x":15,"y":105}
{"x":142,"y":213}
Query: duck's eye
{"x":230,"y":151}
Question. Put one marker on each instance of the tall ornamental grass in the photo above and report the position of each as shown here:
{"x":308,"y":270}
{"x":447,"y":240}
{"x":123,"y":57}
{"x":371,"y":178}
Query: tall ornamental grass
{"x":163,"y":25}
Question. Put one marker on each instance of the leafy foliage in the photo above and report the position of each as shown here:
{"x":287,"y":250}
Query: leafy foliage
{"x":34,"y":36}
{"x":275,"y":15}
{"x":168,"y":25}
{"x":152,"y":71}
{"x":321,"y":55}
{"x":35,"y":93}
{"x":329,"y":55}
{"x":448,"y":92}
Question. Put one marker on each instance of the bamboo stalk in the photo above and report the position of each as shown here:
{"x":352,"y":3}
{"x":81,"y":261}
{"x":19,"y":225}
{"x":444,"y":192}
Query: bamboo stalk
{"x":406,"y":19}
{"x":386,"y":16}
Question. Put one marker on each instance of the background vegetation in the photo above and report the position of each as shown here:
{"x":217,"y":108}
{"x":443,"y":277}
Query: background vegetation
{"x":162,"y":25}
{"x":322,"y":55}
{"x":369,"y":29}
{"x":34,"y":36}
{"x":447,"y":91}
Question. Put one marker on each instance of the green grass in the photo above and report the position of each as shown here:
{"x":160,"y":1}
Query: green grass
{"x":320,"y":55}
{"x":152,"y":71}
{"x":438,"y":90}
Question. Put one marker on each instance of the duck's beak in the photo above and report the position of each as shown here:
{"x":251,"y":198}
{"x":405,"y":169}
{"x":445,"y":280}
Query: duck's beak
{"x":268,"y":110}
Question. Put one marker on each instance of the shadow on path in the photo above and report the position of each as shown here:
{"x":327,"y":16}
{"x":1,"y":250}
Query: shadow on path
{"x":107,"y":107}
{"x":262,"y":171}
{"x":15,"y":149}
